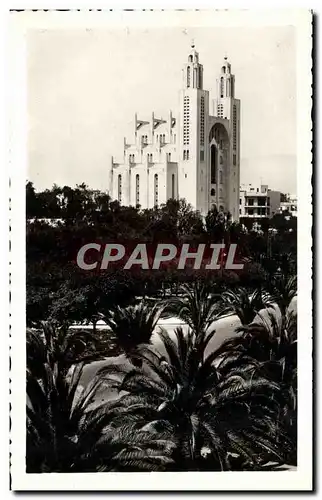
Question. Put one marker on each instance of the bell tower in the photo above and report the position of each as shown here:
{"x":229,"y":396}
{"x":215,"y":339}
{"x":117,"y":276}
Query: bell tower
{"x":227,"y":108}
{"x":193,"y":126}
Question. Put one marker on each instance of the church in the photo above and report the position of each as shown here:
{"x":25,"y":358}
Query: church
{"x":193,"y":155}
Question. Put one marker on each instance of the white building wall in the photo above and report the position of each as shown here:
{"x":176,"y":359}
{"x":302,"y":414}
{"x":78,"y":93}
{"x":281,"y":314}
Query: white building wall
{"x":158,"y":148}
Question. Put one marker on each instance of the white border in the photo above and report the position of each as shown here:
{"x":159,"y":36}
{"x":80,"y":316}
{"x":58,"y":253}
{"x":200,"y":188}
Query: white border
{"x":301,"y":479}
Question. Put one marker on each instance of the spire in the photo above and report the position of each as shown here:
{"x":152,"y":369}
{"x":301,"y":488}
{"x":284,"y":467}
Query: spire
{"x":193,"y":70}
{"x":226,"y":80}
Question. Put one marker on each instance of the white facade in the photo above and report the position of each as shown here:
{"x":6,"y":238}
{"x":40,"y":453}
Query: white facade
{"x":254,"y":201}
{"x":290,"y":205}
{"x":194,"y":155}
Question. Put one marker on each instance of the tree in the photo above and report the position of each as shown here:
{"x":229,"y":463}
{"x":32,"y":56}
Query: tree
{"x":198,"y":306}
{"x":207,"y":417}
{"x":65,"y":433}
{"x":269,"y":348}
{"x":134,"y":325}
{"x":246,"y":304}
{"x":55,"y":345}
{"x":283,"y":289}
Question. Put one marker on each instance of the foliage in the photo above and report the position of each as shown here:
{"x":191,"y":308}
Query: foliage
{"x":271,"y":344}
{"x":246,"y":304}
{"x":179,"y":406}
{"x":64,"y":432}
{"x":208,"y":416}
{"x":134,"y":325}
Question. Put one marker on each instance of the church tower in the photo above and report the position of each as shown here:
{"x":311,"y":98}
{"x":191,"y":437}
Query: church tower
{"x":227,"y":110}
{"x":193,"y":171}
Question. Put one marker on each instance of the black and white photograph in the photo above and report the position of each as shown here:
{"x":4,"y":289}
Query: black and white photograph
{"x":161,"y":316}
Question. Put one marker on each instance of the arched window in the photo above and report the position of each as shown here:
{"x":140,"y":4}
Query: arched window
{"x":190,"y":58}
{"x":188,"y":76}
{"x":221,"y":160}
{"x":169,"y":156}
{"x":163,"y":138}
{"x":221,"y":208}
{"x":173,"y":186}
{"x":184,"y":154}
{"x":213,"y":192}
{"x":223,"y":69}
{"x":119,"y":188}
{"x":156,"y":189}
{"x":222,"y":87}
{"x":137,"y":189}
{"x":220,"y":177}
{"x":157,"y":137}
{"x":213,"y":164}
{"x":188,"y":154}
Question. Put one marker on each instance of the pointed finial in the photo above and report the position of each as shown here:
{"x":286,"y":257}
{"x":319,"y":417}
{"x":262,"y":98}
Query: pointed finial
{"x":193,"y":43}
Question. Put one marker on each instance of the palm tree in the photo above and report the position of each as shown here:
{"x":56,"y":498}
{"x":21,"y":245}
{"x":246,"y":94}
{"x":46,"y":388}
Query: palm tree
{"x":134,"y":325}
{"x":198,"y":307}
{"x":269,"y":348}
{"x":283,"y":288}
{"x":58,"y":344}
{"x":55,"y":416}
{"x":182,"y":395}
{"x":245,"y":304}
{"x":65,"y":434}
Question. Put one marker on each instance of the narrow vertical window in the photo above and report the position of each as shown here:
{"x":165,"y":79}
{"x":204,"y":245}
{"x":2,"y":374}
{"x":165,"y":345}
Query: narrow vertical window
{"x":213,"y":164}
{"x":220,"y":177}
{"x":137,"y":186}
{"x":228,"y":87}
{"x":202,"y":121}
{"x":221,"y":87}
{"x":234,"y":127}
{"x":188,"y":76}
{"x":186,"y":120}
{"x":119,"y":188}
{"x":156,"y":189}
{"x":200,"y":79}
{"x":173,"y":186}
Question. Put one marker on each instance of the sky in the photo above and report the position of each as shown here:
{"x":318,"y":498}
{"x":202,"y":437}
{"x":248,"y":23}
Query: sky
{"x":85,"y":85}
